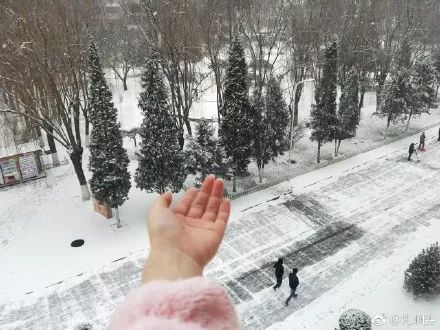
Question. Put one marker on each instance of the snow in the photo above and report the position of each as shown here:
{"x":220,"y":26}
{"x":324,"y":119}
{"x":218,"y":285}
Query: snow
{"x":39,"y":220}
{"x":41,"y":232}
{"x":376,"y":289}
{"x":370,"y":133}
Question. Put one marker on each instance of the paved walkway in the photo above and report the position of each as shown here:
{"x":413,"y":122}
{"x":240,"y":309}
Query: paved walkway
{"x":328,"y":231}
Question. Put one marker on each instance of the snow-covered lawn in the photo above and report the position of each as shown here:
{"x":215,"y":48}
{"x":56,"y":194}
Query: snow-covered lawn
{"x":368,"y":218}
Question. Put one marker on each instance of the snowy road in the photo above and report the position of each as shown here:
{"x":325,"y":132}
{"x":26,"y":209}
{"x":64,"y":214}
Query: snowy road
{"x":328,"y":230}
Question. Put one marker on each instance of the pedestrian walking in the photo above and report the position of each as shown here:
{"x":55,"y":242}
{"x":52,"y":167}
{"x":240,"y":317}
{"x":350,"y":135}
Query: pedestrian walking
{"x":279,"y":272}
{"x":293,"y":283}
{"x":412,"y":149}
{"x":422,"y":141}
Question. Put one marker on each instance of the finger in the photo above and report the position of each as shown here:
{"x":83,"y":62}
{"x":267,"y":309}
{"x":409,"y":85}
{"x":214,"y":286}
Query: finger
{"x":223,"y":216}
{"x":214,"y":202}
{"x":199,"y":204}
{"x":182,"y":207}
{"x":162,"y":202}
{"x":224,"y":211}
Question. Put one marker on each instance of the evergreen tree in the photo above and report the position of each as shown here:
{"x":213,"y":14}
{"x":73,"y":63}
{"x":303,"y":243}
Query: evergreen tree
{"x":110,"y":180}
{"x":348,"y":112}
{"x":278,"y":115}
{"x":201,"y":152}
{"x":422,"y":94}
{"x":161,"y":163}
{"x":263,"y":136}
{"x":235,"y":129}
{"x":422,"y":277}
{"x":403,"y":57}
{"x":323,"y":121}
{"x":393,"y":104}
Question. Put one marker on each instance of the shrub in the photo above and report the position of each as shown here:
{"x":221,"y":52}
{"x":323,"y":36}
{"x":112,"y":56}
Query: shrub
{"x":422,"y":277}
{"x":354,"y":319}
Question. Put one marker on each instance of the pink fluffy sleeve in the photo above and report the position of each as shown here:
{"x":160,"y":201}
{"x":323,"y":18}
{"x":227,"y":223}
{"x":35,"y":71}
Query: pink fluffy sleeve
{"x":196,"y":303}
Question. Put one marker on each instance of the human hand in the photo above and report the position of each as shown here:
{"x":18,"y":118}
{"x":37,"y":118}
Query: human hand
{"x":186,"y":237}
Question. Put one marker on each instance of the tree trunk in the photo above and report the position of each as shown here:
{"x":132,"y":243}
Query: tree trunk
{"x":181,"y":140}
{"x":188,"y":126}
{"x":290,"y":126}
{"x":124,"y":84}
{"x":234,"y":183}
{"x":76,"y":124}
{"x":339,"y":145}
{"x":319,"y":152}
{"x":87,"y":130}
{"x":409,"y":119}
{"x":336,"y":147}
{"x":218,"y":84}
{"x":260,"y":175}
{"x":118,"y":220}
{"x":297,"y":99}
{"x":361,"y":102}
{"x":51,"y":140}
{"x":53,"y":147}
{"x":388,"y":126}
{"x":76,"y":158}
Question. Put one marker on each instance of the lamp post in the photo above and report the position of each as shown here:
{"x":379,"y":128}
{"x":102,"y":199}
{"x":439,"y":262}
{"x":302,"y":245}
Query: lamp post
{"x":293,"y":110}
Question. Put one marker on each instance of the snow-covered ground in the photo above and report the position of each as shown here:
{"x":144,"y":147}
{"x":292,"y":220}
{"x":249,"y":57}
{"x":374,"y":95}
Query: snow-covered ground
{"x":370,"y":213}
{"x":351,"y":228}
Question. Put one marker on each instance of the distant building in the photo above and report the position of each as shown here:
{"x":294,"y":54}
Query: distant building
{"x":114,"y":11}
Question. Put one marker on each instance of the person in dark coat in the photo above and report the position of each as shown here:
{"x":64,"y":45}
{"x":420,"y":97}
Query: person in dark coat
{"x":293,"y":283}
{"x":422,"y":141}
{"x":412,"y":149}
{"x":279,"y":272}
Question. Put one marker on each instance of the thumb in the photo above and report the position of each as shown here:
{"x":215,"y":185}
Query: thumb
{"x":163,"y":201}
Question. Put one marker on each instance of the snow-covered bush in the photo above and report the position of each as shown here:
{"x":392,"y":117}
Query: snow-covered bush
{"x":422,"y":277}
{"x":354,"y":319}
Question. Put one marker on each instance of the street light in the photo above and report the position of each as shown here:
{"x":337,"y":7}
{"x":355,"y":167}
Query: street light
{"x":293,"y":110}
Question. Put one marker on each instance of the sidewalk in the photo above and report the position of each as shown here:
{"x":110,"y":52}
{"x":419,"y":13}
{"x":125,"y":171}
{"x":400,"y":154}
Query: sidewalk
{"x":334,"y":170}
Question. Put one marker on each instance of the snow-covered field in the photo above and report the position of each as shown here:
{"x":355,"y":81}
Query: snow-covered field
{"x":351,"y":228}
{"x":370,"y":214}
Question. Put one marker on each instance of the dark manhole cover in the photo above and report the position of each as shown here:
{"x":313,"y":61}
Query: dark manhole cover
{"x":77,"y":243}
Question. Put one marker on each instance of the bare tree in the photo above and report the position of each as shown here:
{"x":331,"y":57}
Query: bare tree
{"x":263,"y":25}
{"x":215,"y":34}
{"x":172,"y":29}
{"x":43,"y":69}
{"x":122,"y":46}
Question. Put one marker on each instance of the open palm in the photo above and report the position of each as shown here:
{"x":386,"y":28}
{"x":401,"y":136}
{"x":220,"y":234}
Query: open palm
{"x":195,"y":225}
